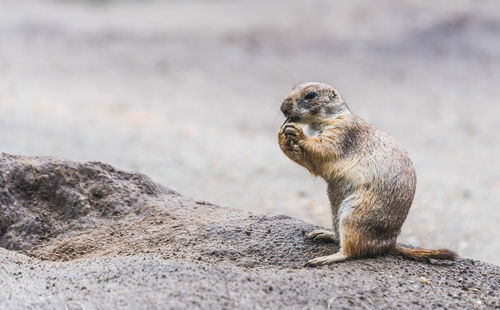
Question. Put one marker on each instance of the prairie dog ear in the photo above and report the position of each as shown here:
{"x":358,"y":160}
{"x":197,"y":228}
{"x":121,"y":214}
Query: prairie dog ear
{"x":334,"y":95}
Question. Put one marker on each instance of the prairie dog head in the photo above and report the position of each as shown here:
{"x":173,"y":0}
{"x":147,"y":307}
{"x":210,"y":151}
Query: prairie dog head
{"x":312,"y":103}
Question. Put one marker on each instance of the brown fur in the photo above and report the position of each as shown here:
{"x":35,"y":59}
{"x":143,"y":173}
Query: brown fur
{"x":371,"y":179}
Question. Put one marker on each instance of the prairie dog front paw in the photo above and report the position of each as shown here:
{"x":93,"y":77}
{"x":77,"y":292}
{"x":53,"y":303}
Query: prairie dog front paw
{"x":293,"y":131}
{"x":289,"y":136}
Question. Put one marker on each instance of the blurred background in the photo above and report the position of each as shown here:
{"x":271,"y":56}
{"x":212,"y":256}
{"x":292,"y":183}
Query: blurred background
{"x":188,"y":92}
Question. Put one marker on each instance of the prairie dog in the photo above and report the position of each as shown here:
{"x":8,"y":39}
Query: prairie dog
{"x":371,"y":179}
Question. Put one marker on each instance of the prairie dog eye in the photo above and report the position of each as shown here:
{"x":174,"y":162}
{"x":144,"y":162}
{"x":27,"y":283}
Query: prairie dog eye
{"x":310,"y":95}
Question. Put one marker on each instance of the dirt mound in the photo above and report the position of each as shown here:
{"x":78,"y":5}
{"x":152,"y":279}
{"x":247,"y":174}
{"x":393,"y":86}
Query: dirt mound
{"x":42,"y":199}
{"x":99,"y":237}
{"x":59,"y":210}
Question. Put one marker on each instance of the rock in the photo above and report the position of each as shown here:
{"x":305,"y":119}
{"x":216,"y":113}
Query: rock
{"x":86,"y":235}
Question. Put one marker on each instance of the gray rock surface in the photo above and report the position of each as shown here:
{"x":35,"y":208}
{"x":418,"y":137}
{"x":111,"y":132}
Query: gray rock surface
{"x":87,"y":236}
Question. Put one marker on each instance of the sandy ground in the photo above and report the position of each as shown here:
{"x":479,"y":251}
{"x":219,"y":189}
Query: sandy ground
{"x":95,"y":237}
{"x":188,"y":92}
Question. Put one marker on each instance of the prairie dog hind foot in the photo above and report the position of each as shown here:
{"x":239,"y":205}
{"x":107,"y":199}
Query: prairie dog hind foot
{"x":327,"y":260}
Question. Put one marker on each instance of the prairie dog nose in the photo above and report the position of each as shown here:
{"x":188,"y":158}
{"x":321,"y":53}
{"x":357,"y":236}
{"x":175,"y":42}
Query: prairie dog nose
{"x":286,"y":106}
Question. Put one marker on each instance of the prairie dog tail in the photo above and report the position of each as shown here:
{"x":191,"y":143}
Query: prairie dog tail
{"x":423,"y":254}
